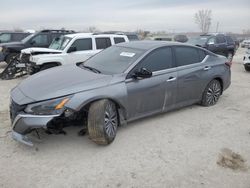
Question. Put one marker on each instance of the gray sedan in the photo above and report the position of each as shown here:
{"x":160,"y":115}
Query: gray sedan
{"x":120,"y":84}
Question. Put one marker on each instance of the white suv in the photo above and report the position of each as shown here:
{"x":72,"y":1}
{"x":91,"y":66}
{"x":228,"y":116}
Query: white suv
{"x":72,"y":48}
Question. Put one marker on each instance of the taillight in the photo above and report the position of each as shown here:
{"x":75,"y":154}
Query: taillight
{"x":229,"y":64}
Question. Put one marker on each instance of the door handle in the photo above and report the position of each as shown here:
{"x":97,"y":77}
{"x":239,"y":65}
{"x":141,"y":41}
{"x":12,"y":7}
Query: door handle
{"x":171,"y":79}
{"x":207,"y":68}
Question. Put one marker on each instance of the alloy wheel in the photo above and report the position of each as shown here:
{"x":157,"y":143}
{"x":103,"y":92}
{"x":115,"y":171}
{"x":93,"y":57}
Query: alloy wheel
{"x":110,"y":120}
{"x":213,"y":93}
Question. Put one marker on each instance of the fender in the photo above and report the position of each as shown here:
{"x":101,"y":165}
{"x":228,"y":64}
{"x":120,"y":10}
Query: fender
{"x":48,"y":59}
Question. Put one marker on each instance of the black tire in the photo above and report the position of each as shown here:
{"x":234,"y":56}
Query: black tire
{"x":212,"y":93}
{"x":230,"y":57}
{"x":48,"y":66}
{"x":10,"y":57}
{"x":247,"y":68}
{"x":102,"y":122}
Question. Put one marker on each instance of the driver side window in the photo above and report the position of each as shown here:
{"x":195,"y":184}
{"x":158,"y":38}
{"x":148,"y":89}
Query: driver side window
{"x":40,"y":40}
{"x":157,"y":60}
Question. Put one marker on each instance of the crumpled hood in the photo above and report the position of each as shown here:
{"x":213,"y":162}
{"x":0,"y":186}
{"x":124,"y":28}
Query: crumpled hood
{"x":35,"y":51}
{"x":57,"y":82}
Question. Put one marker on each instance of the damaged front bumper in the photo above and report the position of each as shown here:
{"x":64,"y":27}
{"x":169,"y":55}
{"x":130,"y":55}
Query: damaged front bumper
{"x":25,"y":123}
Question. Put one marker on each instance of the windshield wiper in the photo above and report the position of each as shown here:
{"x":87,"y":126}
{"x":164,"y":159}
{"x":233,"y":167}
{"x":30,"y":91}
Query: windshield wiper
{"x":91,"y":68}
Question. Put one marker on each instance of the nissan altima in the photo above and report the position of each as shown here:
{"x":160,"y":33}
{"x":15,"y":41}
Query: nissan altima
{"x":125,"y":82}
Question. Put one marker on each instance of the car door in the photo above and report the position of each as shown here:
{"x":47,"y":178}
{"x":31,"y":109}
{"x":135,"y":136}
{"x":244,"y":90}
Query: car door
{"x":190,"y":71}
{"x":83,"y":50}
{"x":154,"y":94}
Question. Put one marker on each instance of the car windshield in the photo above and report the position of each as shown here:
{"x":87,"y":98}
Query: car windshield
{"x":26,"y":39}
{"x":60,"y":43}
{"x":113,"y":60}
{"x":198,"y":40}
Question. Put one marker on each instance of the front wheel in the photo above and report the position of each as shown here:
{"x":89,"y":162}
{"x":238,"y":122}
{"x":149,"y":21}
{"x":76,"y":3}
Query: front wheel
{"x":212,"y":93}
{"x":102,"y":122}
{"x":247,"y":68}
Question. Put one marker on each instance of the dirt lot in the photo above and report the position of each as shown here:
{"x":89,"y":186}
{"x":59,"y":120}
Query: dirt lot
{"x":176,"y":149}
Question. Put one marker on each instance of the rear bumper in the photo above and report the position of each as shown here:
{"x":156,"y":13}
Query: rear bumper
{"x":25,"y":123}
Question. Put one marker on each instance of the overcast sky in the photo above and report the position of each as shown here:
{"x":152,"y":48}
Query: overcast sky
{"x":127,"y":15}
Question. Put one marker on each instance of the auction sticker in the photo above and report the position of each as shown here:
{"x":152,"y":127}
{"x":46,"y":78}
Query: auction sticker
{"x":127,"y":54}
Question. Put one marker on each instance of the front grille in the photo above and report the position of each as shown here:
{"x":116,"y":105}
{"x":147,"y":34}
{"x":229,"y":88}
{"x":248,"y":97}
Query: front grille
{"x":25,"y":58}
{"x":15,"y":109}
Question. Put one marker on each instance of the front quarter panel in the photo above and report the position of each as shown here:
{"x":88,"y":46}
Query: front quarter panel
{"x":115,"y":91}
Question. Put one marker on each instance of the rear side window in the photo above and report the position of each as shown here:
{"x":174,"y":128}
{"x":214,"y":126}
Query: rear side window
{"x":220,"y":39}
{"x":229,"y":40}
{"x":102,"y":43}
{"x":83,"y":44}
{"x":132,"y":37}
{"x":186,"y":56}
{"x":157,"y":60}
{"x":119,"y":40}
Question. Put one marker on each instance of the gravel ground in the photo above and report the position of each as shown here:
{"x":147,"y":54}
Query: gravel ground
{"x":176,"y":149}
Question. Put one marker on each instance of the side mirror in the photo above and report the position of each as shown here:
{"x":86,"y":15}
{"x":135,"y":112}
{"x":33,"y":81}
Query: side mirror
{"x":142,"y":73}
{"x":71,"y":49}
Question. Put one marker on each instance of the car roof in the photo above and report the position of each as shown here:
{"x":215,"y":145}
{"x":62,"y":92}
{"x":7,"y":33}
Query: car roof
{"x":92,"y":34}
{"x":147,"y":44}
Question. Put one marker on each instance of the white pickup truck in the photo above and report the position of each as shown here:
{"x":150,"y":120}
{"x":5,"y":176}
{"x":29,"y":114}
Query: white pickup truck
{"x":72,"y":48}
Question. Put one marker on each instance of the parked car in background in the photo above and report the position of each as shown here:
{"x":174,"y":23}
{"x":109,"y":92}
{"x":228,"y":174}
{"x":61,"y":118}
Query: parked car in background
{"x":122,"y":83}
{"x":236,"y":41}
{"x":12,"y":36}
{"x":180,"y":38}
{"x":68,"y":49}
{"x":218,"y":43}
{"x":246,"y":60}
{"x":176,"y":38}
{"x":132,"y":36}
{"x":245,"y":43}
{"x":39,"y":39}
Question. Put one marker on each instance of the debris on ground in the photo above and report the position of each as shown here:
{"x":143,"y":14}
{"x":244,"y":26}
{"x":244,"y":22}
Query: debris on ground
{"x":229,"y":159}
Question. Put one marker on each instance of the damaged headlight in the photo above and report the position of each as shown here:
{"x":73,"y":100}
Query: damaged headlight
{"x":50,"y":107}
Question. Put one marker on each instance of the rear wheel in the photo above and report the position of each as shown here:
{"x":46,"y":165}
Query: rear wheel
{"x":212,"y":93}
{"x":247,"y":68}
{"x":10,"y":57}
{"x":102,"y":122}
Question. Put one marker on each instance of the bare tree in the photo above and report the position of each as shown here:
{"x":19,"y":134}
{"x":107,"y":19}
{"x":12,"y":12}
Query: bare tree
{"x":203,"y":19}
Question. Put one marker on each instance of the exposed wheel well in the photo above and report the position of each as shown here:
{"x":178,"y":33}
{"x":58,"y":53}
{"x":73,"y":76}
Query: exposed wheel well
{"x":48,"y":63}
{"x":120,"y":109}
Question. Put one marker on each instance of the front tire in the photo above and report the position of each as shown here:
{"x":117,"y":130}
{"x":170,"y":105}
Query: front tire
{"x":102,"y":122}
{"x":247,"y":68}
{"x":212,"y":93}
